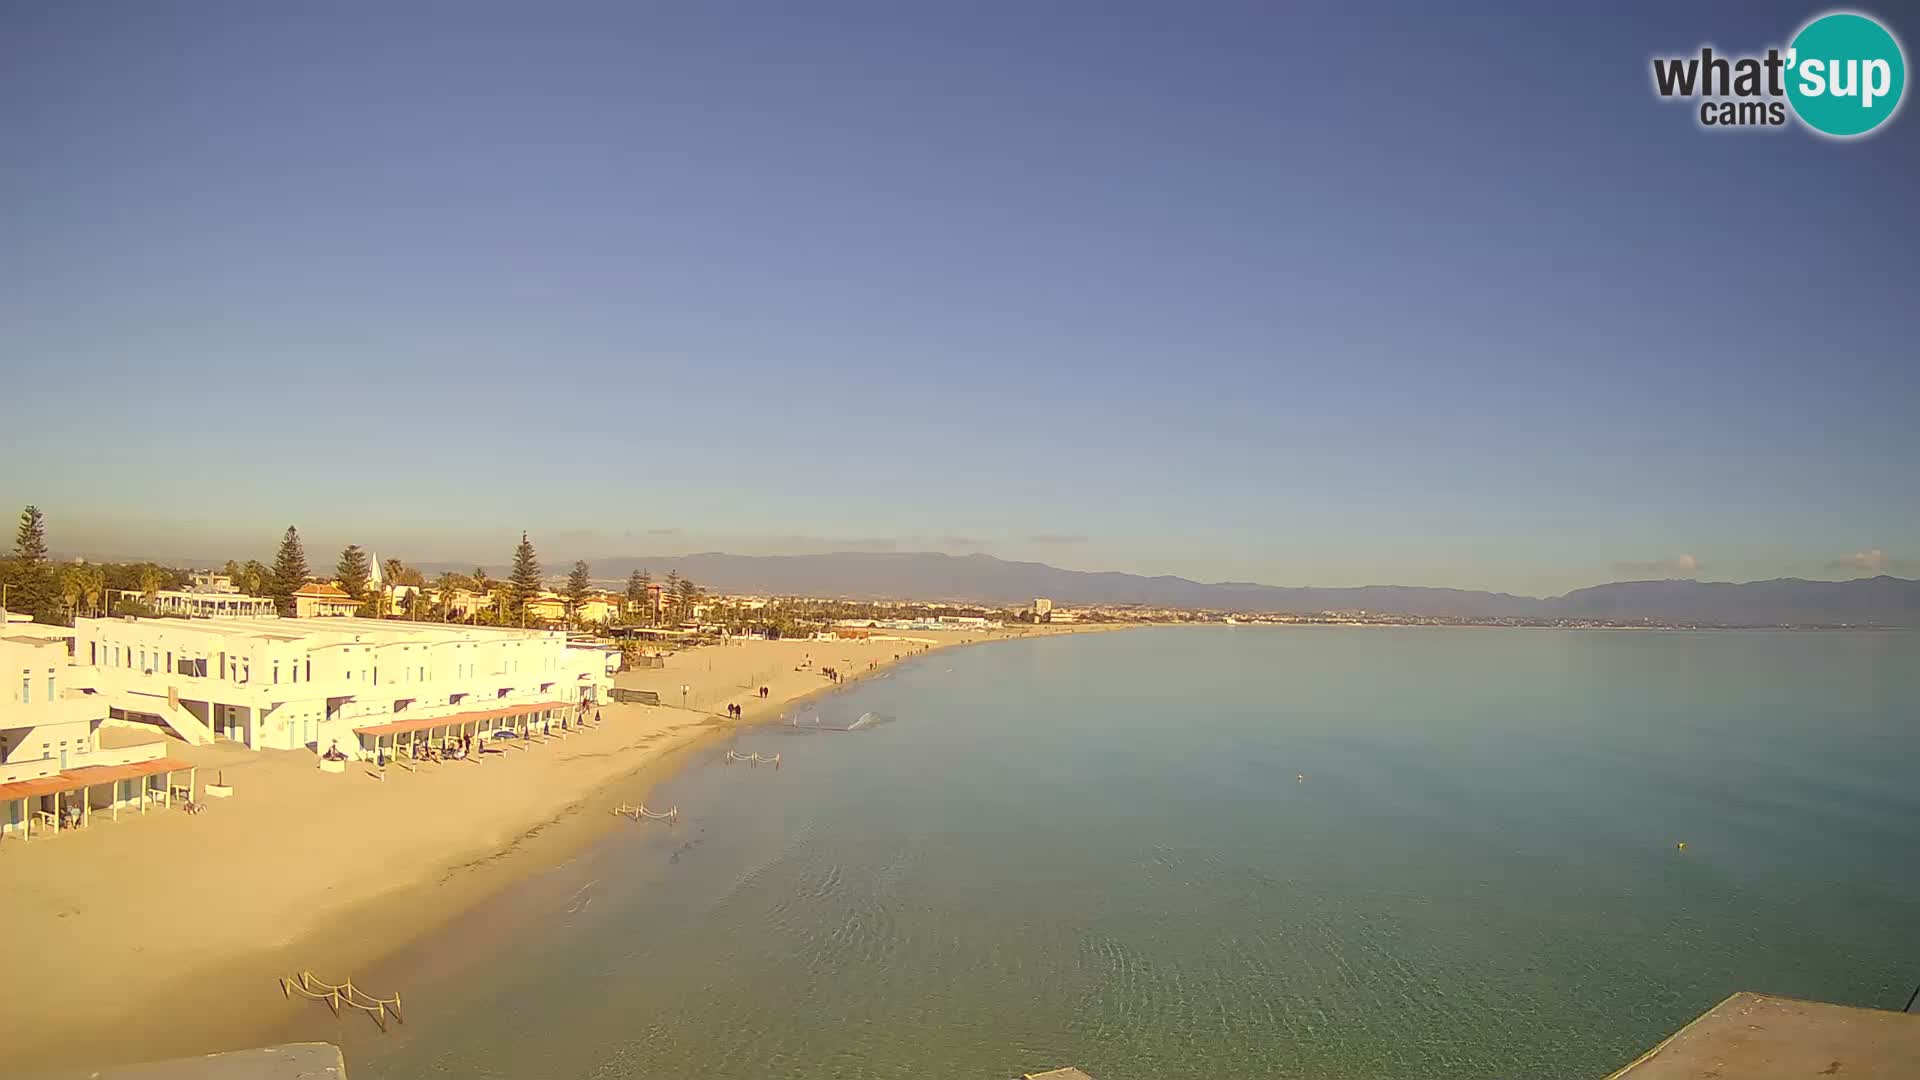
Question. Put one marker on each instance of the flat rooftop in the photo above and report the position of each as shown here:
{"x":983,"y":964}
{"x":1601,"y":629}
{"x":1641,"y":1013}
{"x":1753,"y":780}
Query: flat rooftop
{"x":343,"y":630}
{"x":1761,"y":1037}
{"x":120,"y":738}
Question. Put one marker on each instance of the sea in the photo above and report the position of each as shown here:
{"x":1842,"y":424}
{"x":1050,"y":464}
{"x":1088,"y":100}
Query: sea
{"x":1324,"y":853}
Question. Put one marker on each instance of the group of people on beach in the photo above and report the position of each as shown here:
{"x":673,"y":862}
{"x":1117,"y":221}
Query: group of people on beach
{"x":735,"y":711}
{"x":458,"y":750}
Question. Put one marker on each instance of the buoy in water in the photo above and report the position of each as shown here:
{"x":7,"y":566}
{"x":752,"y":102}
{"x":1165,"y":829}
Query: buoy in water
{"x":1300,"y":777}
{"x":1681,"y":846}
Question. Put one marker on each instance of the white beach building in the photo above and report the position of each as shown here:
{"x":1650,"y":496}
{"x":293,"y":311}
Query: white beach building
{"x":209,"y":596}
{"x":59,"y":753}
{"x":316,"y":683}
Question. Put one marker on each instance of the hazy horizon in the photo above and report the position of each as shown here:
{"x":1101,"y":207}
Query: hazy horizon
{"x":1236,"y":295}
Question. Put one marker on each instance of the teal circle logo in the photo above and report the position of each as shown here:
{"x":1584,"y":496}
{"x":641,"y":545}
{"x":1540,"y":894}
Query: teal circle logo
{"x":1845,"y":74}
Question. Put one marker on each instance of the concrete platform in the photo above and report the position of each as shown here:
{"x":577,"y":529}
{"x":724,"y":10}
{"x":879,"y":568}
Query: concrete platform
{"x":290,"y":1061}
{"x":1757,"y":1037}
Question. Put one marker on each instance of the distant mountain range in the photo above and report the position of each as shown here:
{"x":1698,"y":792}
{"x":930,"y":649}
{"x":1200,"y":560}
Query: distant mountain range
{"x":1878,"y":601}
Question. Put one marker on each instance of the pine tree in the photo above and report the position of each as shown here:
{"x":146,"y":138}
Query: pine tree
{"x":637,"y":587}
{"x":33,"y":588}
{"x":525,"y":580}
{"x":289,"y":570}
{"x":30,"y":543}
{"x":688,"y":595}
{"x":354,"y":572}
{"x":670,"y":595}
{"x":579,"y":584}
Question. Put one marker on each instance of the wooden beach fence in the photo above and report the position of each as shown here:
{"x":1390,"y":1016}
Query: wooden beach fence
{"x":308,"y":986}
{"x":641,"y":813}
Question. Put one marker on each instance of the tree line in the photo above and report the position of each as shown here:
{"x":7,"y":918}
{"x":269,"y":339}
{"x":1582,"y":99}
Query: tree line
{"x":58,"y":593}
{"x":31,"y":584}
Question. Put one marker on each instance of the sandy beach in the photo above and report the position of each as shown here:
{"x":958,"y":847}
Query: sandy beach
{"x":164,"y":935}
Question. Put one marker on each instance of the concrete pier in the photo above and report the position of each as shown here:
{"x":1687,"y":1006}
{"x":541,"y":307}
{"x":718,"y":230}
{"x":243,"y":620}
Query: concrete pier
{"x":289,"y":1061}
{"x":1759,"y":1036}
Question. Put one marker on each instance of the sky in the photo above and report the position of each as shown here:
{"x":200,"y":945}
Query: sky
{"x":1302,"y":295}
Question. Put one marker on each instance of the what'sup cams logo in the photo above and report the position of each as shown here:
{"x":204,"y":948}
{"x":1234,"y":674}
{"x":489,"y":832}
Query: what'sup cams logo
{"x":1843,"y":76}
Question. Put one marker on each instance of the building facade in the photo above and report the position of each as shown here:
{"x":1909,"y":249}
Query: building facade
{"x":321,"y":600}
{"x":56,"y":746}
{"x":545,"y":607}
{"x":286,"y":684}
{"x":197,"y":603}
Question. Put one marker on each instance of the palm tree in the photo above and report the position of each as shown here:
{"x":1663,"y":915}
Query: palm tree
{"x":150,"y":582}
{"x":73,"y":586}
{"x":446,"y":585}
{"x":416,"y":603}
{"x":95,"y":589}
{"x":482,"y":586}
{"x":252,"y":577}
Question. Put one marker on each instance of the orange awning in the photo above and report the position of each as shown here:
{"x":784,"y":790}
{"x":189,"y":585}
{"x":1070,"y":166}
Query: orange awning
{"x":38,"y":786}
{"x":400,"y":727}
{"x":107,"y":774}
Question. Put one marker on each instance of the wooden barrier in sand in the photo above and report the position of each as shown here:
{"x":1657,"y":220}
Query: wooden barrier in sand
{"x":813,"y":722}
{"x":308,"y":986}
{"x":641,"y":813}
{"x":753,"y":760}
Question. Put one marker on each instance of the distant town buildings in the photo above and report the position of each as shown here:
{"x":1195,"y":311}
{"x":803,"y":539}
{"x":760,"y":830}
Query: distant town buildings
{"x":208,"y":596}
{"x":949,"y":622}
{"x":1042,"y":607}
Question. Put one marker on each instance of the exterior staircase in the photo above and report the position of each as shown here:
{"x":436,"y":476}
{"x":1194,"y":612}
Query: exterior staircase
{"x":181,"y":721}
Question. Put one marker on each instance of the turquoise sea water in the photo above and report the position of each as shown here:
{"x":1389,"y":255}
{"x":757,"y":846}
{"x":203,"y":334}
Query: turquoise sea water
{"x":1095,"y":850}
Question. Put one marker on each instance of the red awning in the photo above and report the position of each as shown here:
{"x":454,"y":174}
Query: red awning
{"x":400,"y":727}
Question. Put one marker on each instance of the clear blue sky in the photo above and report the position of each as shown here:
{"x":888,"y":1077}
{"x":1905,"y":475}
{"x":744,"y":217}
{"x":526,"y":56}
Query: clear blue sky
{"x":1304,"y":297}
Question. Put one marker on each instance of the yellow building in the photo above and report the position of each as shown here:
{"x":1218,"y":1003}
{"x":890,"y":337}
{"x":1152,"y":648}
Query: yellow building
{"x":316,"y":600}
{"x":546,"y":606}
{"x":599,"y":608}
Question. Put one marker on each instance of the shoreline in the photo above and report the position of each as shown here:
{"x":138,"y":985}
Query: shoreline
{"x":148,"y":998}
